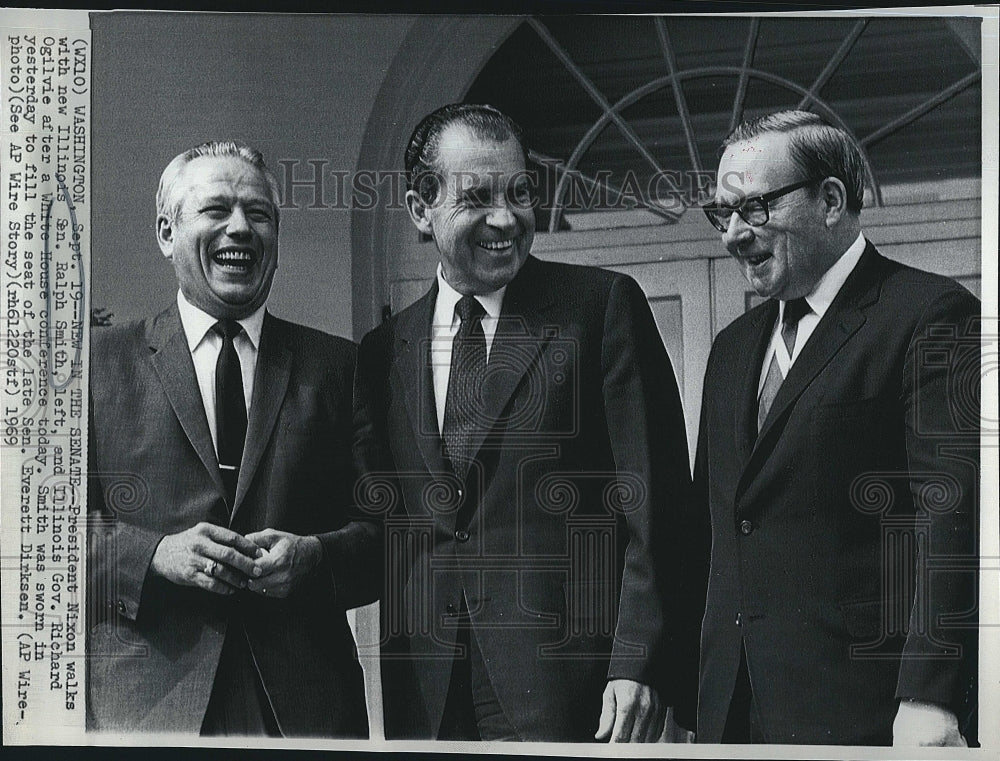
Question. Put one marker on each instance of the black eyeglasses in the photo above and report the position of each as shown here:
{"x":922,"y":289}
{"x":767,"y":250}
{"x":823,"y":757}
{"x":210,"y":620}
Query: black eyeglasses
{"x":753,"y":210}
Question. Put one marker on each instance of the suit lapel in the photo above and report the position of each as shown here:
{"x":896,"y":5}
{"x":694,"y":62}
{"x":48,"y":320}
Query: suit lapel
{"x":520,"y":337}
{"x":412,"y":366}
{"x":173,"y":364}
{"x":842,"y":320}
{"x":274,"y":364}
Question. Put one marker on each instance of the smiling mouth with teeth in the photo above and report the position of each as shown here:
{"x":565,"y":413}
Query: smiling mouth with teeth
{"x":496,"y":245}
{"x":235,"y":260}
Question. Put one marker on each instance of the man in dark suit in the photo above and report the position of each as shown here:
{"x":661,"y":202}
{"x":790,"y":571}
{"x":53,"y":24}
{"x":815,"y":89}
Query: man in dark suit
{"x":838,"y":454}
{"x":538,"y":449}
{"x":225,"y":549}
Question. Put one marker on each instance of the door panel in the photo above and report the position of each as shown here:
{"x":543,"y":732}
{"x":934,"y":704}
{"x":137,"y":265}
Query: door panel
{"x":678,"y":294}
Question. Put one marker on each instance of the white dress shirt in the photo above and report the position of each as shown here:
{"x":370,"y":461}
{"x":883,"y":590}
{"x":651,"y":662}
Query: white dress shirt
{"x":819,"y":302}
{"x":444,"y":327}
{"x":205,"y":345}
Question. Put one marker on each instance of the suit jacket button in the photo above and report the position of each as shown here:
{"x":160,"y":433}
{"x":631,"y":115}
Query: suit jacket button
{"x":451,"y":610}
{"x":122,"y":608}
{"x":739,"y":619}
{"x":461,"y":535}
{"x":746,"y":528}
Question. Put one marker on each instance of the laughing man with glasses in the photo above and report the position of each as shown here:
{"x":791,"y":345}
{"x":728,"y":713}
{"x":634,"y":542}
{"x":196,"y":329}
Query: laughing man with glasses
{"x":841,"y":388}
{"x":754,"y":211}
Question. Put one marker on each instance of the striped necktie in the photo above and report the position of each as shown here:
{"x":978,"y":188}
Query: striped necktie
{"x":463,"y":404}
{"x":795,"y":310}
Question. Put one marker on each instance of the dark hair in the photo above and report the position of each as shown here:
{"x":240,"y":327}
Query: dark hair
{"x":817,"y":147}
{"x":420,"y":159}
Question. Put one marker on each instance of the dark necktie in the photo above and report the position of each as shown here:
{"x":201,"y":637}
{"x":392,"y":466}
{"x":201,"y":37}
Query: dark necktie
{"x":463,"y":405}
{"x":230,"y":407}
{"x":795,"y":310}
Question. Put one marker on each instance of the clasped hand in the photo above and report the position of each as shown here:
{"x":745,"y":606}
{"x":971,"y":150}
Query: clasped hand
{"x":217,"y":559}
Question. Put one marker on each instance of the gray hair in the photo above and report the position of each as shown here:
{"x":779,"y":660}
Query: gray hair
{"x":817,"y":147}
{"x":252,"y":156}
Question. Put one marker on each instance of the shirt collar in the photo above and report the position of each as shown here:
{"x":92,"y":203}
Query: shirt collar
{"x":826,"y":290}
{"x":448,"y":297}
{"x":197,"y":323}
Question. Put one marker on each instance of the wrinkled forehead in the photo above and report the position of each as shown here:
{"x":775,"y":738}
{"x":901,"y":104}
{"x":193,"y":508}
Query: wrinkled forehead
{"x":220,"y":176}
{"x":754,"y":167}
{"x":467,"y":160}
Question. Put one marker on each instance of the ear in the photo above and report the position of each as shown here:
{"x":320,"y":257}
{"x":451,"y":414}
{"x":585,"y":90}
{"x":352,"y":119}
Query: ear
{"x":165,"y":235}
{"x":418,"y":209}
{"x":834,"y":196}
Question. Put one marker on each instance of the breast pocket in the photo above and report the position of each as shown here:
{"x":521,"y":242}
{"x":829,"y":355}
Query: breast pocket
{"x":304,"y":438}
{"x":308,"y":453}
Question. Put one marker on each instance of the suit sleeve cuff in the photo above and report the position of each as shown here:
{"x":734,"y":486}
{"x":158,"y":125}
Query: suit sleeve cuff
{"x":128,"y":562}
{"x":351,"y":561}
